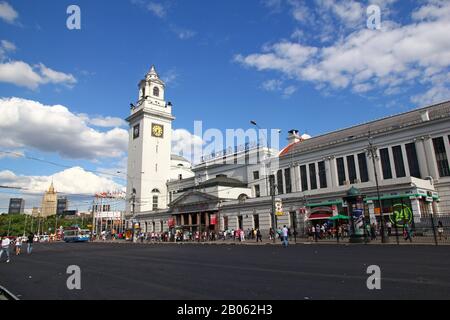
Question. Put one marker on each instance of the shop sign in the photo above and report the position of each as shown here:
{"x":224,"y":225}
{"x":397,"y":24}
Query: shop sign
{"x":279,"y":207}
{"x":401,"y":214}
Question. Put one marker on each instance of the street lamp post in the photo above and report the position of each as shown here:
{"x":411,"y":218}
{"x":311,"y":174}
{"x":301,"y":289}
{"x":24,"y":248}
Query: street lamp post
{"x":372,"y":150}
{"x":272,"y":186}
{"x":133,"y":202}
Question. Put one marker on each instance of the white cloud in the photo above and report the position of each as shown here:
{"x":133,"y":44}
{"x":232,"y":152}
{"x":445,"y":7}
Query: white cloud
{"x":22,"y":74}
{"x":75,"y":180}
{"x":274,"y":5}
{"x":27,"y":123}
{"x":367,"y":60}
{"x":435,"y":9}
{"x":298,"y":34}
{"x":275,"y":85}
{"x":105,"y":122}
{"x":52,"y":76}
{"x":300,"y":12}
{"x":184,"y":143}
{"x":433,"y":95}
{"x":349,"y":12}
{"x":272,"y":85}
{"x":182,"y":33}
{"x":288,"y":91}
{"x":7,"y":12}
{"x":170,"y":77}
{"x":8,"y":46}
{"x":157,"y":9}
{"x":14,"y":154}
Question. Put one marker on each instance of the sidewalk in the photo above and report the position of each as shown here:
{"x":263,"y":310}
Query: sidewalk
{"x":300,"y":241}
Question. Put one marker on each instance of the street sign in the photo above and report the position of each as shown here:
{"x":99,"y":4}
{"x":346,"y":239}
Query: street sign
{"x":279,"y":207}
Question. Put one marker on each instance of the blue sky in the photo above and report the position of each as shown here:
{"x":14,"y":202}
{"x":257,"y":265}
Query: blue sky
{"x":308,"y":65}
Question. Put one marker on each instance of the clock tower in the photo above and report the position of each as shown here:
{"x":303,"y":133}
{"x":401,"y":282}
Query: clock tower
{"x":149,"y":146}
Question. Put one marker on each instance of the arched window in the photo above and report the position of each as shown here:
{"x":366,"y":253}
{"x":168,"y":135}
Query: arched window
{"x":242,"y":198}
{"x":156,"y":91}
{"x":155,"y":191}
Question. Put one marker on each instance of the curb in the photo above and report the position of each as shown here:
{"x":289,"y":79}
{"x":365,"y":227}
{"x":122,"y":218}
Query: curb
{"x":7,"y":294}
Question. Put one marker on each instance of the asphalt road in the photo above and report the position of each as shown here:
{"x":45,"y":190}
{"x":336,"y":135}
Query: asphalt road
{"x":186,"y":272}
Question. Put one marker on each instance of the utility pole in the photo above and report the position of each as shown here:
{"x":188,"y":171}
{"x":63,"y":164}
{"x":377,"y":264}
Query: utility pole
{"x":133,"y":204}
{"x":373,"y":154}
{"x":272,"y":193}
{"x":25,"y":225}
{"x":93,"y":220}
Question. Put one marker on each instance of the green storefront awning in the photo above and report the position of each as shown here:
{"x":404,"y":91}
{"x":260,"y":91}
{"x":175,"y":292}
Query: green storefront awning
{"x":321,"y":204}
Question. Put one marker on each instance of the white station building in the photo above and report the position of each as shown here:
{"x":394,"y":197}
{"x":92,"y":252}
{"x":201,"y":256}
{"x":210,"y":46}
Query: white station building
{"x":315,"y":177}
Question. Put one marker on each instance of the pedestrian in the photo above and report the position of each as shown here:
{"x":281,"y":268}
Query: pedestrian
{"x":407,"y":232}
{"x":285,"y":234}
{"x":373,"y":232}
{"x":5,"y":247}
{"x":30,"y":243}
{"x":441,"y":230}
{"x":389,"y":227}
{"x":258,"y":235}
{"x":18,"y":245}
{"x":317,"y":233}
{"x":271,"y":234}
{"x":242,"y":236}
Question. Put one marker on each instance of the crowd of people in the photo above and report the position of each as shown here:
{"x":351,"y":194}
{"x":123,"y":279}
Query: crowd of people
{"x":8,"y":243}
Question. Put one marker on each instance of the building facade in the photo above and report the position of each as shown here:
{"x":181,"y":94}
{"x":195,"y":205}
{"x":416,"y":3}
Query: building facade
{"x":49,"y":202}
{"x":314,"y":178}
{"x":62,"y":205}
{"x":16,"y":206}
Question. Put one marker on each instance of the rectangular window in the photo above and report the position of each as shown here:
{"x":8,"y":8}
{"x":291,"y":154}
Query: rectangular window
{"x":340,"y":170}
{"x":280,"y":182}
{"x":304,"y":178}
{"x":385,"y":163}
{"x":272,"y":184}
{"x":322,"y":174}
{"x":363,"y":172}
{"x":287,"y":179}
{"x":255,"y":175}
{"x":398,"y":161}
{"x":312,"y":176}
{"x":155,"y":203}
{"x":257,"y":191}
{"x":441,"y":157}
{"x":413,"y":161}
{"x":351,"y":169}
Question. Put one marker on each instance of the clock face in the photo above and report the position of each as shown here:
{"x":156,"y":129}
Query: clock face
{"x":157,"y":130}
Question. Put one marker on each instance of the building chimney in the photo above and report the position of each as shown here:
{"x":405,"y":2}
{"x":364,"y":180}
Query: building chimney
{"x":293,"y":136}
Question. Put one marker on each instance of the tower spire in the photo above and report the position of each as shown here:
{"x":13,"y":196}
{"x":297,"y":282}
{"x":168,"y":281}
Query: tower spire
{"x":152,"y":74}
